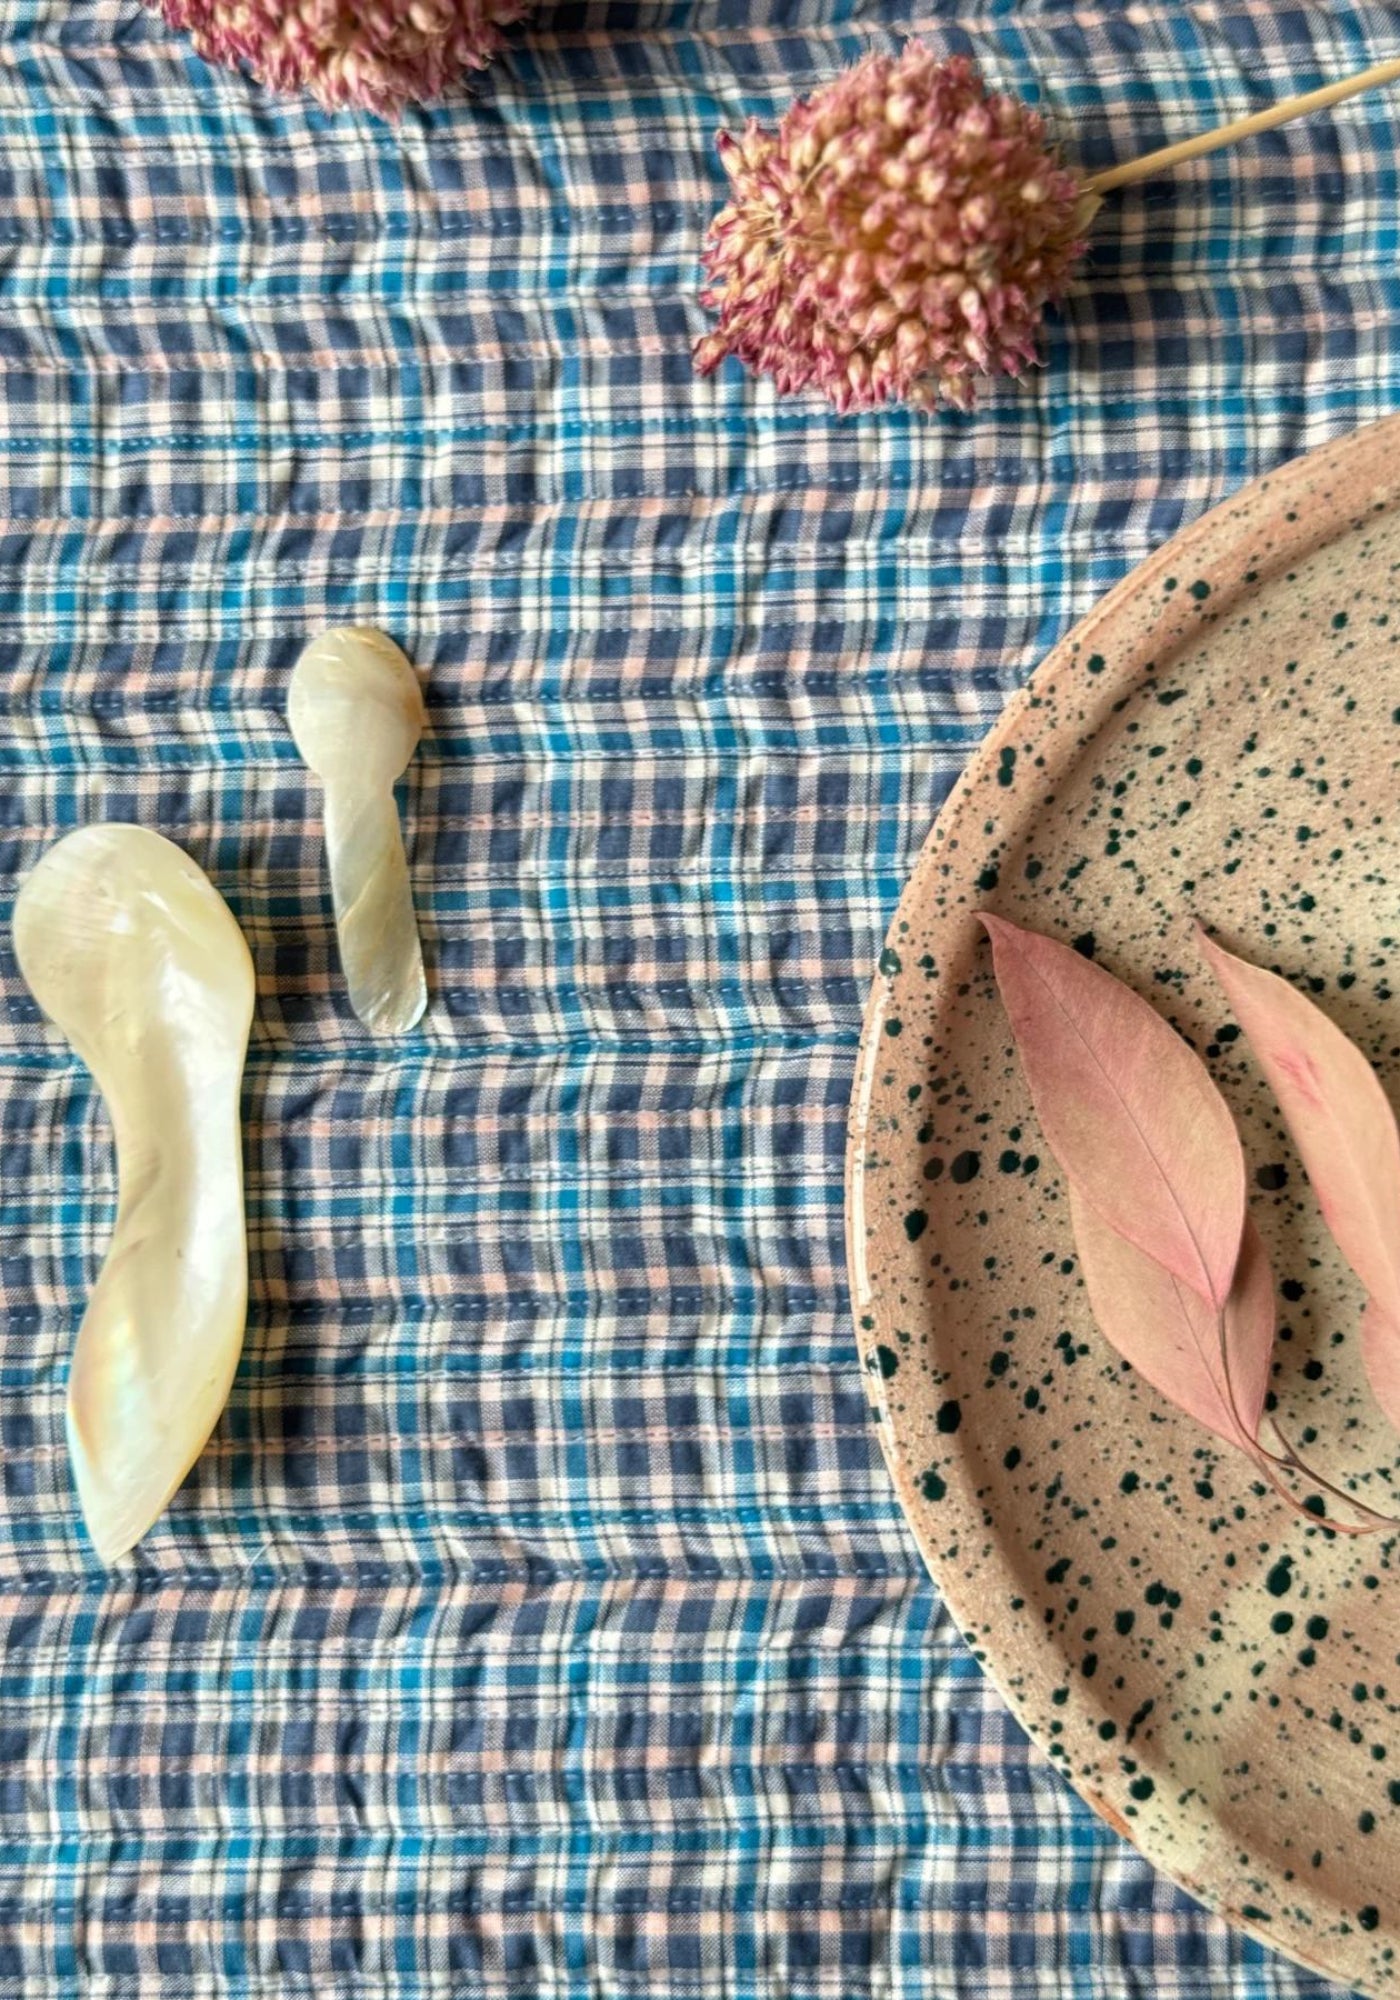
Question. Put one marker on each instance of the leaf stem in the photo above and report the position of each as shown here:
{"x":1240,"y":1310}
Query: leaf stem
{"x":1295,"y":1462}
{"x":1291,"y":1460}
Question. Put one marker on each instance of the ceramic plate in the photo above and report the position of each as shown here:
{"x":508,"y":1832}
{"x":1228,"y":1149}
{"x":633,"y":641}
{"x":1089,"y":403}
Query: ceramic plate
{"x":1220,"y":738}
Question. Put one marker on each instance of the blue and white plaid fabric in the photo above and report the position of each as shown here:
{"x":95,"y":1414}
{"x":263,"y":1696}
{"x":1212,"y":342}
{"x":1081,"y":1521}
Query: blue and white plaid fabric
{"x":540,"y":1624}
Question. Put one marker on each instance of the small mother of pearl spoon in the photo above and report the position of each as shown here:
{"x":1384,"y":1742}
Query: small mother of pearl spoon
{"x":356,"y":714}
{"x":130,"y":949}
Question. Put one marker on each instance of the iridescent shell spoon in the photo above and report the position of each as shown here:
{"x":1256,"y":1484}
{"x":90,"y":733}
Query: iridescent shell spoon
{"x":131,"y":951}
{"x":356,"y":713}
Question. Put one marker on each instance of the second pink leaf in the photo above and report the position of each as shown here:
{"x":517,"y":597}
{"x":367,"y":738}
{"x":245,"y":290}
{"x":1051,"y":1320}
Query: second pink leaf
{"x":1342,"y":1124}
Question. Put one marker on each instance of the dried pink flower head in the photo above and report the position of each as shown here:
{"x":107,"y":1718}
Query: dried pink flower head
{"x":379,"y":54}
{"x":899,"y":235}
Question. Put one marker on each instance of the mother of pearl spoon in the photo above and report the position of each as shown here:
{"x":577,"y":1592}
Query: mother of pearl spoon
{"x":130,"y":950}
{"x":356,"y":714}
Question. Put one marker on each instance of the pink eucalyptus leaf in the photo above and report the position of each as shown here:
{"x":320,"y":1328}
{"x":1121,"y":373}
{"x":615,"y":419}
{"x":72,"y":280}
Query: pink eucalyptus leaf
{"x":1173,"y":1338}
{"x":1339,"y":1117}
{"x":1128,"y":1110}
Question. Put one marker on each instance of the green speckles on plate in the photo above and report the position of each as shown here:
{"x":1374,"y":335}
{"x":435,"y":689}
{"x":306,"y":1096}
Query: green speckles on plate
{"x":1221,"y":747}
{"x":1279,"y":1580}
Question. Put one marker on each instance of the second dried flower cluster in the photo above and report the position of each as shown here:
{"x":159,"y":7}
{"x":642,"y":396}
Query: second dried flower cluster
{"x":899,"y":234}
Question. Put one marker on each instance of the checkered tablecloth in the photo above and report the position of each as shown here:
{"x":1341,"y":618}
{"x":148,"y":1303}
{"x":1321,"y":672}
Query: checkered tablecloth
{"x":540,"y":1624}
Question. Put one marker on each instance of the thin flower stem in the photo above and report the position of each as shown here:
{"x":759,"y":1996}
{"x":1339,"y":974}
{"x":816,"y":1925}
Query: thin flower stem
{"x":1166,"y":157}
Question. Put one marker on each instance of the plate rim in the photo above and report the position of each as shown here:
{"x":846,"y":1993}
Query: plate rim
{"x":1205,"y":540}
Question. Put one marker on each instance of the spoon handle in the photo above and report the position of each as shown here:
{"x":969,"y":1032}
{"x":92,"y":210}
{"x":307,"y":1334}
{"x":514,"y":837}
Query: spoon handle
{"x":378,"y":932}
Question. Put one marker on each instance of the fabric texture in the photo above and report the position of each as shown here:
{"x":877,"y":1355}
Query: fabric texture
{"x":540,"y":1621}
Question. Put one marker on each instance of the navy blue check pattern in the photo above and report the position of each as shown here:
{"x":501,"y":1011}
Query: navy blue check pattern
{"x":539,"y":1624}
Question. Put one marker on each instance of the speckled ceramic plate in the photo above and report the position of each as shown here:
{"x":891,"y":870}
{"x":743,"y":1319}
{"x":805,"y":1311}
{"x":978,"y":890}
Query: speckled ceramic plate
{"x":1221,"y":738}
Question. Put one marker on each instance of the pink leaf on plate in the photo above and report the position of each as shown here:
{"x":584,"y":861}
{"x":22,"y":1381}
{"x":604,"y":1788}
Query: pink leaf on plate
{"x":1341,"y":1122}
{"x":1173,"y":1338}
{"x":1127,"y":1108}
